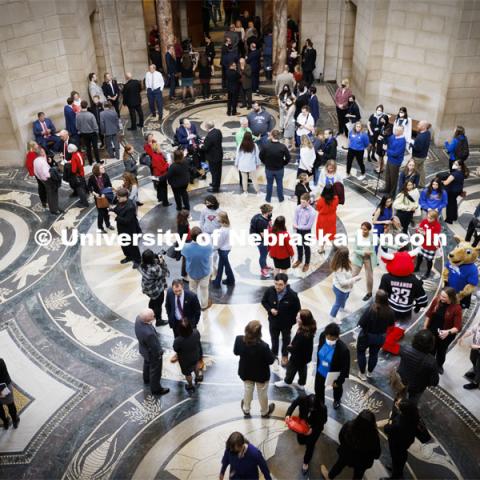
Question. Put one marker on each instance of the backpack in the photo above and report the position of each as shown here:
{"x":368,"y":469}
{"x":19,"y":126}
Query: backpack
{"x":461,"y":150}
{"x":339,"y":190}
{"x":145,"y":160}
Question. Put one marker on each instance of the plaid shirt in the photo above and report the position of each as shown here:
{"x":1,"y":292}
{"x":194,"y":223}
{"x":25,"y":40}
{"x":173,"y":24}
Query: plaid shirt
{"x":154,"y":278}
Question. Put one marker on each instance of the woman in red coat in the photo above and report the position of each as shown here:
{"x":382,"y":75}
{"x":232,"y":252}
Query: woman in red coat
{"x":159,"y":170}
{"x":429,"y":227}
{"x":282,"y":250}
{"x":327,"y":215}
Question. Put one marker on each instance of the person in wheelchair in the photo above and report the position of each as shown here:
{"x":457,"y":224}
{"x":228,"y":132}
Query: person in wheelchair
{"x":186,"y":134}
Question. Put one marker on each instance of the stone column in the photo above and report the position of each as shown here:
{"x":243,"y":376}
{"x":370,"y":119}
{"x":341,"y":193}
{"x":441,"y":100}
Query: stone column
{"x":279,"y":35}
{"x":165,"y":24}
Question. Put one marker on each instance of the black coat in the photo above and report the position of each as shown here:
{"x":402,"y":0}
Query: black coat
{"x":274,"y":155}
{"x":4,"y":376}
{"x":340,"y":360}
{"x":189,"y":350}
{"x":171,"y":64}
{"x":417,"y":370}
{"x":232,"y":78}
{"x":93,"y":186}
{"x":287,"y":308}
{"x":316,"y":417}
{"x":127,"y":221}
{"x":400,"y":431}
{"x":178,"y":175}
{"x":253,"y":60}
{"x":309,"y":59}
{"x":212,"y":146}
{"x":131,"y":93}
{"x":107,"y":89}
{"x":255,"y":360}
{"x":191,"y":307}
{"x":301,"y":349}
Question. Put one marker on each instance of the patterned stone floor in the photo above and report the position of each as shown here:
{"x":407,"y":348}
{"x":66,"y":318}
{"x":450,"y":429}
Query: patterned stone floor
{"x":66,"y":332}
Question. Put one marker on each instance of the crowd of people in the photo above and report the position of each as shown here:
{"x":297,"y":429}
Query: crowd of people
{"x":409,"y":204}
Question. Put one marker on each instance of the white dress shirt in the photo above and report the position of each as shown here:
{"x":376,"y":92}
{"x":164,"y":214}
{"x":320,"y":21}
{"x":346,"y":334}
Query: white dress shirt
{"x":154,"y":80}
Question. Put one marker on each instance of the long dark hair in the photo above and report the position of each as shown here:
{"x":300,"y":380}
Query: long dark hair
{"x":381,"y":306}
{"x":458,"y":131}
{"x":383,"y":203}
{"x":309,"y":325}
{"x":283,"y":90}
{"x":361,"y":433}
{"x":279,"y":224}
{"x":430,"y":186}
{"x":253,"y":332}
{"x":328,"y":193}
{"x":148,"y":258}
{"x":247,"y":144}
{"x":405,"y":191}
{"x":182,"y":217}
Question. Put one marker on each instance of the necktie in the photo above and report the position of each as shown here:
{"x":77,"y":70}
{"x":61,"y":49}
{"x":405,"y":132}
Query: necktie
{"x":179,"y":306}
{"x":44,"y":128}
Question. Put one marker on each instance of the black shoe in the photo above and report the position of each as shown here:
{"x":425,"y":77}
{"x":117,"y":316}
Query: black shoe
{"x":73,"y":194}
{"x":440,"y":370}
{"x":162,"y":391}
{"x":6,"y":423}
{"x":161,"y":323}
{"x":470,"y":375}
{"x":102,"y":230}
{"x":135,"y":265}
{"x":468,"y":386}
{"x":336,"y":404}
{"x":111,"y":228}
{"x":368,"y":296}
{"x":138,"y":125}
{"x":16,"y":422}
{"x":245,"y":414}
{"x":189,"y":388}
{"x":213,"y":190}
{"x":140,"y":204}
{"x":132,"y":129}
{"x":166,"y":204}
{"x":125,"y":260}
{"x":271,"y":408}
{"x":226,"y":282}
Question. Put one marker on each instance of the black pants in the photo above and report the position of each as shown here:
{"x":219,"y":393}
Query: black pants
{"x":12,"y":410}
{"x":292,"y":370}
{"x":452,"y":207}
{"x":132,"y":252}
{"x":441,"y":347}
{"x":475,"y":359}
{"x":181,"y":196}
{"x":162,"y":190}
{"x":156,"y":305}
{"x":302,"y":246}
{"x":341,"y":463}
{"x":419,"y":263}
{"x":81,"y":190}
{"x":342,"y":121}
{"x":358,"y":155}
{"x":152,"y":373}
{"x":399,"y":459}
{"x":309,"y":441}
{"x":308,"y":77}
{"x":275,"y":337}
{"x":405,"y":219}
{"x":216,"y":171}
{"x":255,"y":80}
{"x":232,"y":100}
{"x":320,"y":389}
{"x":246,"y":97}
{"x":50,"y":191}
{"x":133,"y":111}
{"x":89,"y":141}
{"x":205,"y":89}
{"x":472,"y":233}
{"x":102,"y":217}
{"x":42,"y":192}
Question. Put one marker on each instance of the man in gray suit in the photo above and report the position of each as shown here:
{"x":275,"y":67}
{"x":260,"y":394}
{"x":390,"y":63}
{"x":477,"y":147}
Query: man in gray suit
{"x":151,"y":350}
{"x":109,"y":127}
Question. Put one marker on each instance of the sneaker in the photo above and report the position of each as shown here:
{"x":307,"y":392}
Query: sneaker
{"x":367,"y":297}
{"x":300,"y":387}
{"x":281,"y":384}
{"x":362,"y":376}
{"x":245,"y":413}
{"x":470,"y":374}
{"x":265,"y":273}
{"x":334,"y":320}
{"x":369,"y":374}
{"x":336,"y":404}
{"x":344,"y":310}
{"x":271,"y":408}
{"x":361,"y":177}
{"x":296,"y":264}
{"x":471,"y":386}
{"x":101,"y":230}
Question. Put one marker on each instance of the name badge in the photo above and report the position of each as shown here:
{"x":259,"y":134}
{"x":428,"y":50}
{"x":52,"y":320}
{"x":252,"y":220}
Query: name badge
{"x":325,"y":364}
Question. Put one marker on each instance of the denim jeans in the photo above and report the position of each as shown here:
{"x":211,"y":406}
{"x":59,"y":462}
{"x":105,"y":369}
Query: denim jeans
{"x":223,"y":262}
{"x":263,"y":250}
{"x":276,"y":175}
{"x":155,"y":99}
{"x":340,"y":301}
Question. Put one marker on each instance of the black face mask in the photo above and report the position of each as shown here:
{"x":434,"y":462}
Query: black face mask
{"x":230,"y":47}
{"x":343,"y":85}
{"x":269,"y":215}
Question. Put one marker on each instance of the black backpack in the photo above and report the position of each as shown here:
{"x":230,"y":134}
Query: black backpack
{"x":461,"y":150}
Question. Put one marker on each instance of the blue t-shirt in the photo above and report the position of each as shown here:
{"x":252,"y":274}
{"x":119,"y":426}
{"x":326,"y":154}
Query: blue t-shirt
{"x":325,"y":355}
{"x":459,"y":277}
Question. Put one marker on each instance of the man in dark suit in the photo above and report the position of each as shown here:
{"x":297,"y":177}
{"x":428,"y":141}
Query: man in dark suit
{"x":70,"y":115}
{"x":44,"y":133}
{"x":171,"y":70}
{"x":97,"y":108}
{"x":187,"y":133}
{"x":181,"y":303}
{"x":151,"y":350}
{"x":67,"y":167}
{"x":111,"y":92}
{"x":232,"y":79}
{"x":253,"y":60}
{"x":133,"y":101}
{"x":156,"y":57}
{"x":212,"y":146}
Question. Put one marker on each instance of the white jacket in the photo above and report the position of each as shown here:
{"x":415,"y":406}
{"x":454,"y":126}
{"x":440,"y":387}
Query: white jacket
{"x":307,"y":158}
{"x":247,"y":161}
{"x":343,"y":280}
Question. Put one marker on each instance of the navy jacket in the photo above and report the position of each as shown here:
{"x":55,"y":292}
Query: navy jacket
{"x":253,"y":60}
{"x":171,"y":64}
{"x":148,"y":341}
{"x":421,"y":144}
{"x":37,"y":129}
{"x":191,"y":307}
{"x":182,"y":134}
{"x":70,"y":115}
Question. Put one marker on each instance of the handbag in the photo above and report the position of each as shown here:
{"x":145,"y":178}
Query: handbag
{"x":422,"y":432}
{"x":297,"y":425}
{"x":172,"y":252}
{"x":102,"y":202}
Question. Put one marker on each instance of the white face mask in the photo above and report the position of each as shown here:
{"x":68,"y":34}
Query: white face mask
{"x":379,"y":112}
{"x":331,"y":342}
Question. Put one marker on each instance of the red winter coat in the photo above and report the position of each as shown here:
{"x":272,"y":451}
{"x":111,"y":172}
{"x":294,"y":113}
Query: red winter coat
{"x":435,"y":228}
{"x":327,"y":216}
{"x":281,"y":251}
{"x":159,"y":165}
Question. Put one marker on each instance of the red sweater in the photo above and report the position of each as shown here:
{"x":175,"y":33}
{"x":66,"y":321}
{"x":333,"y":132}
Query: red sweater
{"x":435,"y":228}
{"x":159,"y":164}
{"x":453,"y":315}
{"x":281,"y":251}
{"x":77,"y":164}
{"x":31,"y":156}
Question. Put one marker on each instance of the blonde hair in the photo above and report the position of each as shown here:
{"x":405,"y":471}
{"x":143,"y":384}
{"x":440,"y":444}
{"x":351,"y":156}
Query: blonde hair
{"x":357,"y":124}
{"x":302,"y":177}
{"x":333,"y":163}
{"x":346,"y":82}
{"x":31,"y":145}
{"x":305,"y":142}
{"x":223,"y":218}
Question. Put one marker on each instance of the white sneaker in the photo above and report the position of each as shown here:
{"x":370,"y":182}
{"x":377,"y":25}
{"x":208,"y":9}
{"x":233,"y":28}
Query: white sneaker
{"x":369,"y":374}
{"x":362,"y":376}
{"x":335,"y":320}
{"x":300,"y":387}
{"x":281,"y":384}
{"x":245,"y":194}
{"x":361,"y":177}
{"x":344,"y":310}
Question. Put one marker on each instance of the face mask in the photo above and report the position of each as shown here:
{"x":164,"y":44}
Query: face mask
{"x":379,"y":112}
{"x":269,"y":215}
{"x":343,"y":85}
{"x":289,"y":104}
{"x":331,"y":342}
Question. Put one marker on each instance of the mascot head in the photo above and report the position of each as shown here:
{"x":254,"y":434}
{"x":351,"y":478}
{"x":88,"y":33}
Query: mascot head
{"x":400,"y":264}
{"x":463,"y":253}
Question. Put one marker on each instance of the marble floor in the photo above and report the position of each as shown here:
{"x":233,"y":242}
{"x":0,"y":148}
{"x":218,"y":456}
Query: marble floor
{"x":66,"y":333}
